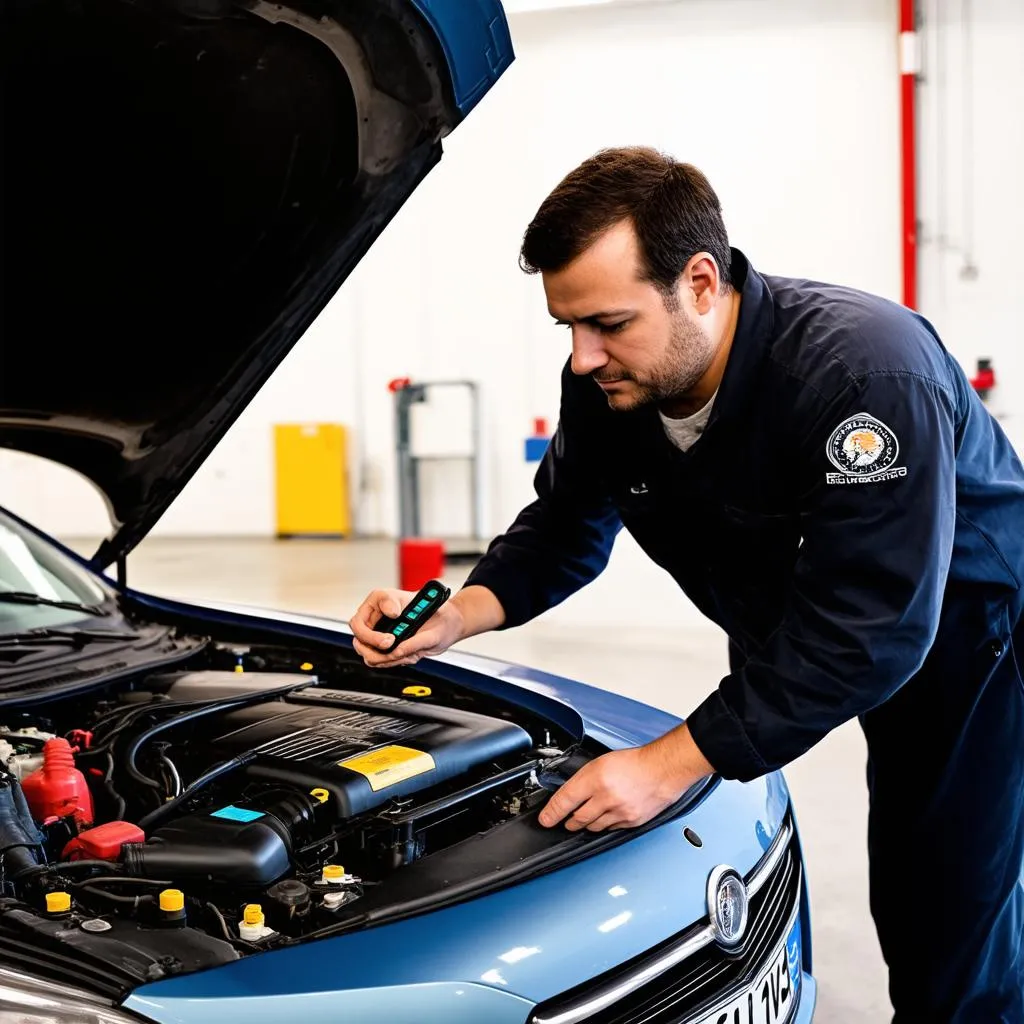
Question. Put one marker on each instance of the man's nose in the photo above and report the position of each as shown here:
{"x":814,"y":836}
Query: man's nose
{"x":588,"y":352}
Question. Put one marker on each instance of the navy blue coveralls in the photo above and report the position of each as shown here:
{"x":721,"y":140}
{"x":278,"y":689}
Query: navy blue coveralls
{"x":853,"y":518}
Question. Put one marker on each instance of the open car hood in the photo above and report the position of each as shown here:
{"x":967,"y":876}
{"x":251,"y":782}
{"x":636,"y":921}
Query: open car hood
{"x":186,"y":185}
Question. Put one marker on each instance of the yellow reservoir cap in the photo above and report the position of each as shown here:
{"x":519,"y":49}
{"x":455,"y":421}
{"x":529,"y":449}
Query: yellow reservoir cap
{"x":172,"y":900}
{"x":334,"y":871}
{"x":417,"y":691}
{"x":320,"y":794}
{"x":253,"y":913}
{"x":306,"y":666}
{"x":58,"y":902}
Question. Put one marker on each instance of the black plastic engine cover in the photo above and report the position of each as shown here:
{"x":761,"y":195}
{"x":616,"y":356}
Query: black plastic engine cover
{"x":363,"y":749}
{"x":234,"y":846}
{"x":127,"y":954}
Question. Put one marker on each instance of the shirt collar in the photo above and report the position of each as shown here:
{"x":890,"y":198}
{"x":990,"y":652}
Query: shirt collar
{"x":750,"y":342}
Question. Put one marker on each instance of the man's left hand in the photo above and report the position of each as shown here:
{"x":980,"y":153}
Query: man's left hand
{"x":626,"y":788}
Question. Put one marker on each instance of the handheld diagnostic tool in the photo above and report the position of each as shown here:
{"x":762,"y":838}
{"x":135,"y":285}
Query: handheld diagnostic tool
{"x":431,"y":596}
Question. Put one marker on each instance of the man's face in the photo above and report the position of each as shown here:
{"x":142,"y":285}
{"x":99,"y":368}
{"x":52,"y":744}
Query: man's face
{"x":624,"y":335}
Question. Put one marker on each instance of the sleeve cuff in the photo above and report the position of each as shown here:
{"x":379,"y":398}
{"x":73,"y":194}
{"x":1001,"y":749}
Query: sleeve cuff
{"x":513,"y":600}
{"x":720,"y":738}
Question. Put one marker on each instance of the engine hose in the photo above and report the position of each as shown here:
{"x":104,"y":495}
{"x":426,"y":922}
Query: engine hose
{"x":120,"y":880}
{"x":136,"y":901}
{"x":189,"y":716}
{"x":108,"y":785}
{"x":228,"y":937}
{"x":28,"y":741}
{"x":125,"y":717}
{"x":154,"y":817}
{"x":63,"y":868}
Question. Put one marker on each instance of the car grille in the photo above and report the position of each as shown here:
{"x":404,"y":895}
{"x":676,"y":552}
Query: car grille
{"x":690,"y":973}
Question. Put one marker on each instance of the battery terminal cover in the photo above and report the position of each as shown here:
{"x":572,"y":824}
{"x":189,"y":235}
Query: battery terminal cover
{"x":104,"y":842}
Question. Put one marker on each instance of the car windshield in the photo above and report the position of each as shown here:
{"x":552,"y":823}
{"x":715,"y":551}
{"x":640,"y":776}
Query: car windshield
{"x":41,"y":588}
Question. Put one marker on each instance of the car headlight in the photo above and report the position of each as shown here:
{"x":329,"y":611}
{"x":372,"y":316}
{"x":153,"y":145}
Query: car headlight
{"x":25,"y":1000}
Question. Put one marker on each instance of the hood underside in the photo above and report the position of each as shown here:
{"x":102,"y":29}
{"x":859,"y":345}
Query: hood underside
{"x":187,"y":184}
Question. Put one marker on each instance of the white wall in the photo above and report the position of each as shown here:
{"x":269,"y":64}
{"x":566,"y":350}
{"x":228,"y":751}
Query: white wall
{"x":972,"y":208}
{"x":790,"y":107}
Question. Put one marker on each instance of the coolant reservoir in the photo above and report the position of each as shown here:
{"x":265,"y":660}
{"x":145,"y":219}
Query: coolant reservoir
{"x":58,"y":788}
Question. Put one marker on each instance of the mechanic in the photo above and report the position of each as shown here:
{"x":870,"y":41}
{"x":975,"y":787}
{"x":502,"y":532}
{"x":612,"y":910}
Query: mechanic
{"x":815,"y":471}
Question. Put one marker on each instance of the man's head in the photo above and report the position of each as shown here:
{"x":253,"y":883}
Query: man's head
{"x":635,"y":260}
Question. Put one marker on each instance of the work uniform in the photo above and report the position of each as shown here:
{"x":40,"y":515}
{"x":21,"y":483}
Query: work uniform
{"x":853,"y":518}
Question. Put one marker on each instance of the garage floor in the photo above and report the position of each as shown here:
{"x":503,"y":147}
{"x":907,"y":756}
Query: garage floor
{"x":325,"y":577}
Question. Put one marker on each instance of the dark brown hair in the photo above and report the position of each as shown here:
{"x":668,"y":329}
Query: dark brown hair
{"x":673,"y":207}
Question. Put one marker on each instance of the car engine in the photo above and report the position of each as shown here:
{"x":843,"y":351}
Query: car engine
{"x":240,"y":803}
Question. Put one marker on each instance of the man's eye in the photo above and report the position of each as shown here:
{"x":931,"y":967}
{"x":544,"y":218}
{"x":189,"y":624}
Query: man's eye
{"x":613,"y":328}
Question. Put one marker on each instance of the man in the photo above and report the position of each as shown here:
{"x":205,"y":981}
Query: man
{"x":815,"y":471}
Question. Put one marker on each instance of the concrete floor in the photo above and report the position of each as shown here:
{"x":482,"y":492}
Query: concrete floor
{"x":331,"y":578}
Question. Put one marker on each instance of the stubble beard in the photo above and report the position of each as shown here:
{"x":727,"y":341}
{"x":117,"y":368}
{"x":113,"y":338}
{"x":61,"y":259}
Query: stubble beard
{"x":687,"y":359}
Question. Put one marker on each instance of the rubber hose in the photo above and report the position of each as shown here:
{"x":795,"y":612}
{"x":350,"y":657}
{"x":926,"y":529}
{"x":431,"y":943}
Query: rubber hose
{"x":154,"y":817}
{"x":155,"y":730}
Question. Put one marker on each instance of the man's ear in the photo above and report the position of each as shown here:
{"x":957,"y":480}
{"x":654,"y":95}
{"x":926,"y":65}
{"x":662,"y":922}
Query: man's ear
{"x":700,"y":278}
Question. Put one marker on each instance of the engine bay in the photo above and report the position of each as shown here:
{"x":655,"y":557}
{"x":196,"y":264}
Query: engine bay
{"x":248,"y":799}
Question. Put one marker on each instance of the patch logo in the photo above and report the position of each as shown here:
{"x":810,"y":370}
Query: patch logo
{"x":864,"y":451}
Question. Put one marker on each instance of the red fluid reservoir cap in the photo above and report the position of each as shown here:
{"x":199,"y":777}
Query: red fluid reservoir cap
{"x":58,"y":788}
{"x":103,"y":842}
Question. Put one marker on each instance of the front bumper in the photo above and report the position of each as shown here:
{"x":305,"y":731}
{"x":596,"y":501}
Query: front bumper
{"x":808,"y":1000}
{"x":691,"y":975}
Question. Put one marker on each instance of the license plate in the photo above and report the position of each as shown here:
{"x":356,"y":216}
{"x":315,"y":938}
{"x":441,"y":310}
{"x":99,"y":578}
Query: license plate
{"x":771,"y":998}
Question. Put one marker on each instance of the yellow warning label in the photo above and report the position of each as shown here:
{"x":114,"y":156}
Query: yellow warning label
{"x":389,"y":765}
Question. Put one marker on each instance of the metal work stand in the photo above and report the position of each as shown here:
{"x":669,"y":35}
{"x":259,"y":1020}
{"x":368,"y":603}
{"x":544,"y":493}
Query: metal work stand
{"x":409,"y":463}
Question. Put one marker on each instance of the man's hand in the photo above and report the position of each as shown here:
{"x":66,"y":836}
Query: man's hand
{"x":444,"y":629}
{"x":626,"y":788}
{"x":471,"y":611}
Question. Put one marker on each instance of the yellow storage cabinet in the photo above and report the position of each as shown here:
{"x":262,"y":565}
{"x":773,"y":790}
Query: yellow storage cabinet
{"x":311,"y":480}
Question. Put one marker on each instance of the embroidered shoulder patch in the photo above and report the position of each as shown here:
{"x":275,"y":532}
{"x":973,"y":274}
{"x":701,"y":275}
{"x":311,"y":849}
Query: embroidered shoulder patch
{"x":864,"y":450}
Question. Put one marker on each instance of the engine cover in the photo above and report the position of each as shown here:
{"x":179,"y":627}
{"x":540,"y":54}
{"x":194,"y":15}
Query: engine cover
{"x":363,"y":749}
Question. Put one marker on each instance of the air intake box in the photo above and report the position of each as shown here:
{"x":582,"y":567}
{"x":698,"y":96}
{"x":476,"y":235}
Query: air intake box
{"x":363,"y":749}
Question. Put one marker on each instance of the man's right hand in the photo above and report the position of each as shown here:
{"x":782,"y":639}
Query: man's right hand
{"x":445,"y":628}
{"x":471,"y":611}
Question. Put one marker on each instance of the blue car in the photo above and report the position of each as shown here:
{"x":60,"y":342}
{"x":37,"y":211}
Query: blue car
{"x":213,"y":813}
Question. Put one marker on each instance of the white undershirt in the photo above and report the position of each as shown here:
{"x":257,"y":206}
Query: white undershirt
{"x":684,"y":433}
